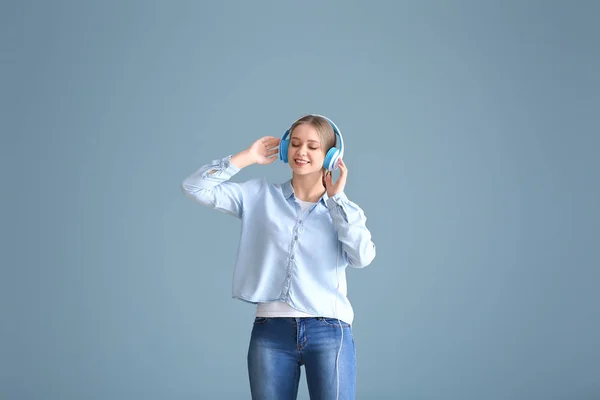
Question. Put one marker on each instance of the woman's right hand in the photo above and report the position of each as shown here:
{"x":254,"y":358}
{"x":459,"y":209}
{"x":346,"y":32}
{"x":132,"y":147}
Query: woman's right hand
{"x":264,"y":151}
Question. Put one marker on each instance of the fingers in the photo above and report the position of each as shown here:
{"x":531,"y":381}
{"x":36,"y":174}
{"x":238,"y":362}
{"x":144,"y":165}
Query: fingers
{"x":269,"y":157}
{"x":270,"y":141}
{"x":343,"y":173}
{"x":342,"y":167}
{"x":270,"y":160}
{"x":328,"y":182}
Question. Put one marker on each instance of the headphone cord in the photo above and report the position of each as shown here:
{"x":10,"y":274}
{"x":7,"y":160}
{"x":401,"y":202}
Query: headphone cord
{"x":339,"y":322}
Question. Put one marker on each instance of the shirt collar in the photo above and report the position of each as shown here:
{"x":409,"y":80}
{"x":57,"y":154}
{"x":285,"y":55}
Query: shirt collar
{"x":288,"y":191}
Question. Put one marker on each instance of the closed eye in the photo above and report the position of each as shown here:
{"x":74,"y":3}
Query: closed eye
{"x":312,"y":148}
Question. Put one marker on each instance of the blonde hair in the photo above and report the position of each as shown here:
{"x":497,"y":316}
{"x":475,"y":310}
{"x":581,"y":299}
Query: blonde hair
{"x":323,"y":128}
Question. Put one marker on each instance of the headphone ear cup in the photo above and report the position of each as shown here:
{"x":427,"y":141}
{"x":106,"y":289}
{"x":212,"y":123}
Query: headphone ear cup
{"x":283,"y":150}
{"x":331,"y":159}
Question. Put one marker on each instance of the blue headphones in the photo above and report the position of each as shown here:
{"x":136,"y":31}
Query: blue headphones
{"x":332,"y":156}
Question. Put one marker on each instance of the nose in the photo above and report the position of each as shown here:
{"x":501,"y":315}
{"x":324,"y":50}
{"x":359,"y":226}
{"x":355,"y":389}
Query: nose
{"x":301,"y":151}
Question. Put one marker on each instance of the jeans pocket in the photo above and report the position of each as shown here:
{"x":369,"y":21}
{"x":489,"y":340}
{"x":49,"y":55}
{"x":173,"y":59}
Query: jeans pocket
{"x":260,"y":320}
{"x":334,"y":322}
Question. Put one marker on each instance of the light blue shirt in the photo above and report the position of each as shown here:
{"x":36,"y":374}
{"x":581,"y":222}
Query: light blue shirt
{"x":284,"y":255}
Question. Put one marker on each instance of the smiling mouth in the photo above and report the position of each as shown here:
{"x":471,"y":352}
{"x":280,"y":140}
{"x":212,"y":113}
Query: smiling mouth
{"x":301,"y":162}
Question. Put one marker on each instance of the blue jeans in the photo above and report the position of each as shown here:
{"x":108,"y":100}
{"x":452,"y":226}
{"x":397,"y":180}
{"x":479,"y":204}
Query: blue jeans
{"x":280,"y":346}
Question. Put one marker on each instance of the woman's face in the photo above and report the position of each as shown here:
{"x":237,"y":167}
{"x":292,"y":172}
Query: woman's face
{"x":305,"y":153}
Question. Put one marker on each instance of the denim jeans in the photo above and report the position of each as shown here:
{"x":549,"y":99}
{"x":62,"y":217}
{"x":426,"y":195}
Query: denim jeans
{"x":280,"y":346}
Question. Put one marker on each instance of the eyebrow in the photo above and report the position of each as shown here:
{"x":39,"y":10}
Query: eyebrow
{"x":310,"y":140}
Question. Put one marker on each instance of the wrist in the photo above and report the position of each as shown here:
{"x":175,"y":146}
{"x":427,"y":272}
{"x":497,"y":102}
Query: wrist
{"x":335,"y":192}
{"x":338,"y":196}
{"x":242,"y":159}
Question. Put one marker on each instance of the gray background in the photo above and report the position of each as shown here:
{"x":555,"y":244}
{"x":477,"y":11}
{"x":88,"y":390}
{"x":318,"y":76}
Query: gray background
{"x":472,"y":137}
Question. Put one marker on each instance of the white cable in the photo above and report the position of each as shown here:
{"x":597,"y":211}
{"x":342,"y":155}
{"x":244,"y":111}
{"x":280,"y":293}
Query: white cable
{"x":337,"y":371}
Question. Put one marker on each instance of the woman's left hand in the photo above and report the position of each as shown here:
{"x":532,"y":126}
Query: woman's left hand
{"x":338,"y":186}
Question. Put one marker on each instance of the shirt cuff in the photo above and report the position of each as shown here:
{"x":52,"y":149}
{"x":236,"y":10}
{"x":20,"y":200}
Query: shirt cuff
{"x":228,"y":166}
{"x":338,"y":198}
{"x":222,"y":168}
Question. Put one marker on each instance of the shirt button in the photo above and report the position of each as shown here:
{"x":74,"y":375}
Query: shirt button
{"x":296,"y":237}
{"x":292,"y":257}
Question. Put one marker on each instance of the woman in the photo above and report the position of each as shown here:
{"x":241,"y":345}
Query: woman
{"x":297,"y":238}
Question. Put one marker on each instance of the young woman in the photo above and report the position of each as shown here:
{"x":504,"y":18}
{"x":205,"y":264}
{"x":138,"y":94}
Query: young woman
{"x":297,"y":238}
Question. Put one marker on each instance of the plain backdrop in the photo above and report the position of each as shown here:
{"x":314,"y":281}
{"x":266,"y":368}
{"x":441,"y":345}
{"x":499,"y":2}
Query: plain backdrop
{"x":472,"y":137}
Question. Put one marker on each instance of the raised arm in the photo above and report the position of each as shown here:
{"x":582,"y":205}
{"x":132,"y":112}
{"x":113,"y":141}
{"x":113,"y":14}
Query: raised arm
{"x":210,"y":185}
{"x":349,"y":221}
{"x":350,"y":224}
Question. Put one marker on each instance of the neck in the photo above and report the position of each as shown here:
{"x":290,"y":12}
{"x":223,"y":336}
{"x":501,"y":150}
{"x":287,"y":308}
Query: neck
{"x":308,"y":187}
